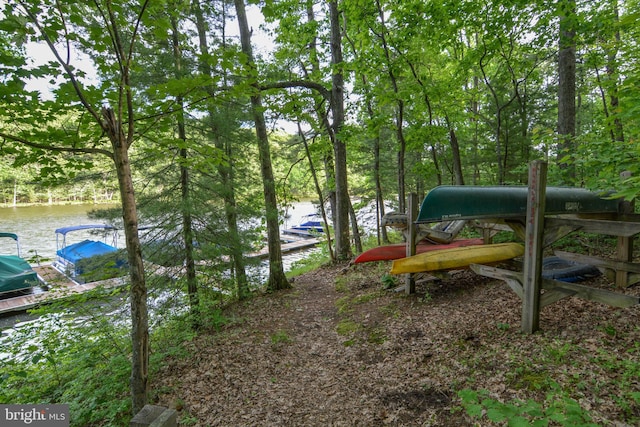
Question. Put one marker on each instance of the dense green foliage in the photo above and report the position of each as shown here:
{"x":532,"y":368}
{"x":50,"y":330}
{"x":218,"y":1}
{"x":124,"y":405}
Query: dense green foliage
{"x":482,"y":74}
{"x":437,"y":92}
{"x":82,"y":362}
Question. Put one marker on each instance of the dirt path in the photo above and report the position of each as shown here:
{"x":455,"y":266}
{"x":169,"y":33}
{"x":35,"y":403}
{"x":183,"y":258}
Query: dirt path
{"x":339,"y":350}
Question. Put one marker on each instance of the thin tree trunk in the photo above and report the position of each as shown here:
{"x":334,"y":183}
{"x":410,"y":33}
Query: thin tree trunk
{"x":436,"y":164}
{"x":612,"y":73}
{"x":323,"y":212}
{"x":457,"y":164}
{"x":567,"y":88}
{"x":277,"y":279}
{"x":402,"y":145}
{"x":121,"y":135}
{"x":354,"y":226}
{"x":187,"y":227}
{"x":322,"y":117}
{"x":139,"y":310}
{"x":476,"y":130}
{"x":225,"y":170}
{"x":380,"y":209}
{"x":500,"y":150}
{"x":343,"y":247}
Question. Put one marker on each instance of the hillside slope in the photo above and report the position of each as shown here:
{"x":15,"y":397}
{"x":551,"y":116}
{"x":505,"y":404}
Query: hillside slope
{"x":341,"y":350}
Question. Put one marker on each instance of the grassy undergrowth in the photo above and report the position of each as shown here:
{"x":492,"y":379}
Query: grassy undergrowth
{"x":77,"y":351}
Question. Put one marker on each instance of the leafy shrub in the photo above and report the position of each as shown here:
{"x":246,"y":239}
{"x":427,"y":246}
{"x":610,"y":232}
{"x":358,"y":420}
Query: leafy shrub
{"x":102,"y":267}
{"x":82,"y":364}
{"x":560,"y":410}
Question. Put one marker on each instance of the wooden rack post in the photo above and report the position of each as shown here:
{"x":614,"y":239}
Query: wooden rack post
{"x":533,"y":246}
{"x":412,"y":214}
{"x":624,"y":248}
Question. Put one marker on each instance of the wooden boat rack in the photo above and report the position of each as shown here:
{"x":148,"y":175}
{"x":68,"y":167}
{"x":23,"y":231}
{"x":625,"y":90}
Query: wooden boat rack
{"x":540,"y":228}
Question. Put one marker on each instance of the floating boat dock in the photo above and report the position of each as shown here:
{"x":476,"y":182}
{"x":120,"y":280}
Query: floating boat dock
{"x":292,"y":246}
{"x":59,"y":285}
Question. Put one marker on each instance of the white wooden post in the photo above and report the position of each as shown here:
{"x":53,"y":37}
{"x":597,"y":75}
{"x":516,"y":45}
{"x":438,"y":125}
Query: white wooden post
{"x":533,"y":246}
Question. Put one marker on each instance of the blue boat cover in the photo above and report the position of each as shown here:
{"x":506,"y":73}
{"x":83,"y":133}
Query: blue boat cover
{"x":65,"y":230}
{"x":15,"y":274}
{"x":85,"y":249}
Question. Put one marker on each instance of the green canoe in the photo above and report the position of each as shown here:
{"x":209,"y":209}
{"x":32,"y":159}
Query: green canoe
{"x":450,"y":202}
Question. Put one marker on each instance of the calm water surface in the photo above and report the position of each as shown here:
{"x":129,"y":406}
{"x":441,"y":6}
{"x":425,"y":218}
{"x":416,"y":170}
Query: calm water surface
{"x":36,"y":225}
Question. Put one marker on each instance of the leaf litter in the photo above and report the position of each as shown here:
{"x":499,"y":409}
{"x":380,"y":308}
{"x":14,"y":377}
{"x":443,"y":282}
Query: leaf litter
{"x":359,"y":355}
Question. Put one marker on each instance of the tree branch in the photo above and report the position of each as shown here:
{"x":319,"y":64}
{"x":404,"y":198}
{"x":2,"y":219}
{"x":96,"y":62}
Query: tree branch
{"x":66,"y":66}
{"x":55,"y":148}
{"x":326,"y":94}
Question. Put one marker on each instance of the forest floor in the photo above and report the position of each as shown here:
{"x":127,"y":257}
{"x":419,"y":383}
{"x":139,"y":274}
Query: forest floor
{"x":341,"y":350}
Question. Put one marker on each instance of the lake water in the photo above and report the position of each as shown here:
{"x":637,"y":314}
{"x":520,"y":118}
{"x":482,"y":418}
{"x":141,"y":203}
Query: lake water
{"x":36,"y":225}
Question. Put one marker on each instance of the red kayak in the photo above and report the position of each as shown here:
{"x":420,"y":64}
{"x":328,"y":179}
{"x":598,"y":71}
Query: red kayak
{"x":399,"y":250}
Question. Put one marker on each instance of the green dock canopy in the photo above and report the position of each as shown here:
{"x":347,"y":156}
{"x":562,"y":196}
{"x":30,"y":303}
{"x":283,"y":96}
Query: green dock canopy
{"x":449,"y":202}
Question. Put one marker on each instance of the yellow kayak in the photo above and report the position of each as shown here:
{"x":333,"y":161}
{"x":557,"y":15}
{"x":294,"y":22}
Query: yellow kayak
{"x":447,"y":259}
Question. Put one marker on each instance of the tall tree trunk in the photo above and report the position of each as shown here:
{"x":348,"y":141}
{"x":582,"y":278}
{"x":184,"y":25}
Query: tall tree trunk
{"x":567,"y":88}
{"x":225,"y":169}
{"x":113,"y":127}
{"x":277,"y":279}
{"x":476,"y":131}
{"x":455,"y":151}
{"x":323,"y":211}
{"x":187,"y":222}
{"x":402,"y":144}
{"x":475,"y":118}
{"x":381,"y":231}
{"x":343,"y":247}
{"x":322,"y":118}
{"x":380,"y":209}
{"x":617,"y":132}
{"x":121,"y":134}
{"x":501,"y":156}
{"x":354,"y":226}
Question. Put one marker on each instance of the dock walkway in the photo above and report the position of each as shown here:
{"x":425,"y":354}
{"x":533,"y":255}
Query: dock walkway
{"x":293,"y":246}
{"x":59,"y":286}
